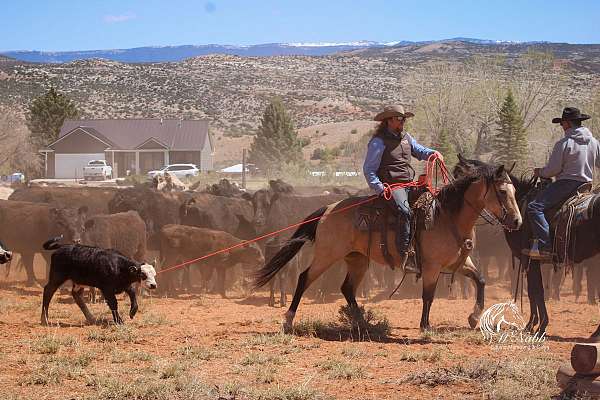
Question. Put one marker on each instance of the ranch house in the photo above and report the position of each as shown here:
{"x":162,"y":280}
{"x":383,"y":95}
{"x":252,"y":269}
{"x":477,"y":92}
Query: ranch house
{"x":134,"y":145}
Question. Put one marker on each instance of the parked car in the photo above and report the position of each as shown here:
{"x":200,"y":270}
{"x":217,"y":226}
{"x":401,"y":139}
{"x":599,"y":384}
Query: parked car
{"x":179,"y":170}
{"x":97,"y":169}
{"x":16,"y":177}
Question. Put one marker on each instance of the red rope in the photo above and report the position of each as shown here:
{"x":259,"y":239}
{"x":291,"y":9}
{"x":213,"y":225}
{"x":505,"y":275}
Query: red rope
{"x":387,"y":194}
{"x":246,"y":242}
{"x":433,"y":161}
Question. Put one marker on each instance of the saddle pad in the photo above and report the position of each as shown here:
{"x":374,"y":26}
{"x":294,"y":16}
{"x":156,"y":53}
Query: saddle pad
{"x":372,"y":215}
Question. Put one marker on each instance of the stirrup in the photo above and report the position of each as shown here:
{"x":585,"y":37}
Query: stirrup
{"x":536,"y":254}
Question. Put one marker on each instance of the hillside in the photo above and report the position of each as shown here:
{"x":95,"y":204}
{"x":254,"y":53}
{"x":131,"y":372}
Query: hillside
{"x":580,"y":57}
{"x":232,"y":91}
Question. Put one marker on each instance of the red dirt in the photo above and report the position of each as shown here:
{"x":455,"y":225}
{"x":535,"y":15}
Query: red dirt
{"x":231,"y":328}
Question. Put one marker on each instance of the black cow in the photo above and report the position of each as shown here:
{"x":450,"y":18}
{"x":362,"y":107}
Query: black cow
{"x":107,"y":270}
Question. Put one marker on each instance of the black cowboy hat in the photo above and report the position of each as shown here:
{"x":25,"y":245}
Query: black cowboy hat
{"x":571,"y":114}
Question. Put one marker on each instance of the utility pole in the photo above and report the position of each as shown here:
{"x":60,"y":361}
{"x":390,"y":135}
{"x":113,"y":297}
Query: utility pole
{"x":243,"y":168}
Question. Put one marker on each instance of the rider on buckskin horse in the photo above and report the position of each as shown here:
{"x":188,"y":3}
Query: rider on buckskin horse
{"x":572,"y":162}
{"x":388,"y":161}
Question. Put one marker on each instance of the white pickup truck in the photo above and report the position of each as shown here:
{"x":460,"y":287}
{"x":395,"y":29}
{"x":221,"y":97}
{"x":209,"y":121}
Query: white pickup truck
{"x":97,"y":169}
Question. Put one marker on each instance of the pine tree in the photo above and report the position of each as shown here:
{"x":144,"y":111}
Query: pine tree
{"x":444,"y":146}
{"x":276,"y":142}
{"x":511,"y":139}
{"x":47,"y":114}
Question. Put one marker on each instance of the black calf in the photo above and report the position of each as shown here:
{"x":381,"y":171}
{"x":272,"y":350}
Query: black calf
{"x":107,"y":270}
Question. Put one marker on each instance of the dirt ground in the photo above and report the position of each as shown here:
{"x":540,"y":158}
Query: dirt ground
{"x":205,"y":347}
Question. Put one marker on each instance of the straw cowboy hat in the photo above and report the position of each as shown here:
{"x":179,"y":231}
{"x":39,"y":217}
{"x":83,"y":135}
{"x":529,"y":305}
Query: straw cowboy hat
{"x":390,"y":111}
{"x":570,"y":114}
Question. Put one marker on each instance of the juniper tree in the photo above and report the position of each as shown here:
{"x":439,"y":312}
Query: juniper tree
{"x":511,"y":138}
{"x":276,"y":142}
{"x":47,"y":114}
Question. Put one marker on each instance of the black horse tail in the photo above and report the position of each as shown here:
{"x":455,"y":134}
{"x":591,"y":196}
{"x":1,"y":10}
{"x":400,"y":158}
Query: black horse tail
{"x":52,"y":244}
{"x":304,"y":233}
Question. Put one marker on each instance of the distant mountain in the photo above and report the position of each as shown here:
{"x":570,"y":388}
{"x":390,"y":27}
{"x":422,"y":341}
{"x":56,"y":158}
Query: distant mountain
{"x":179,"y":53}
{"x":579,"y":57}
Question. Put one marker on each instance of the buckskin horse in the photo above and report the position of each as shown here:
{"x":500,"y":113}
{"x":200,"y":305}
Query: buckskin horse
{"x":335,"y":237}
{"x":586,"y":246}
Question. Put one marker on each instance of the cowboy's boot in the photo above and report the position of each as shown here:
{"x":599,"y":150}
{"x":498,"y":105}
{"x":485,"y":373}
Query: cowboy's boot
{"x":535,"y":253}
{"x":402,"y":238}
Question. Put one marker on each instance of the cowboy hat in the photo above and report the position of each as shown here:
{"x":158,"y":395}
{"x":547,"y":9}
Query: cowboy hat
{"x":570,"y":114}
{"x":390,"y":111}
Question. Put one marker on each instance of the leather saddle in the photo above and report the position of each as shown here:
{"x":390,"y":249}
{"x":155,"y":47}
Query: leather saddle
{"x":381,"y":216}
{"x":575,"y":211}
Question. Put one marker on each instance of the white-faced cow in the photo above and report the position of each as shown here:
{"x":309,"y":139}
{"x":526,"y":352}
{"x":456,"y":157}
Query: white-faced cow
{"x":107,"y":270}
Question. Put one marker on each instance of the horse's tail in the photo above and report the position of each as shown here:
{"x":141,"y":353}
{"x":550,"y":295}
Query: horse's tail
{"x":305,"y":232}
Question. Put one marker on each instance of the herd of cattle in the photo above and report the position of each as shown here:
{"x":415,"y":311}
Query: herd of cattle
{"x":165,"y":228}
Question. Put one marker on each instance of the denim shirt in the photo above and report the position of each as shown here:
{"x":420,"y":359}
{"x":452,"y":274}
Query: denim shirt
{"x":373,"y":159}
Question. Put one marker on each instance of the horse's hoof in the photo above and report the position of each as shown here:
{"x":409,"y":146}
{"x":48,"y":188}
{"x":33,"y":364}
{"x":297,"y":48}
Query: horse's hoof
{"x":473,"y":320}
{"x":287,"y":328}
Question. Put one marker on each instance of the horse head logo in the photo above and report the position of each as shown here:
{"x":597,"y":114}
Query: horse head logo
{"x":500,"y":318}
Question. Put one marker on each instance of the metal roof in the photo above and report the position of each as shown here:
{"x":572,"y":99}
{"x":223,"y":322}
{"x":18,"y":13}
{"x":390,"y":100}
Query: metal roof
{"x":130,"y":133}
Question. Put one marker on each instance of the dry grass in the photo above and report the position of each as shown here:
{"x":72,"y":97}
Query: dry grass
{"x":51,"y":344}
{"x":341,"y":369}
{"x":427,"y":355}
{"x":113,"y":334}
{"x":353,"y":324}
{"x":509,"y":379}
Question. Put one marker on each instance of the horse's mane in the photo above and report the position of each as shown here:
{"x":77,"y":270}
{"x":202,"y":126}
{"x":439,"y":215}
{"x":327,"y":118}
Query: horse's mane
{"x":451,"y":196}
{"x":522,"y":183}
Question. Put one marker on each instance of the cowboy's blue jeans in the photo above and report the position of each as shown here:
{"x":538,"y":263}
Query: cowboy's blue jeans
{"x":553,"y":195}
{"x":400,"y":197}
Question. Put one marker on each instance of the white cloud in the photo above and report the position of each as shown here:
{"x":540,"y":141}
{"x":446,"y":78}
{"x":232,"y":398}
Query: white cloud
{"x":112,"y":19}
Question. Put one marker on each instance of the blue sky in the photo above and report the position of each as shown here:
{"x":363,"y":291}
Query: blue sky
{"x":107,"y":24}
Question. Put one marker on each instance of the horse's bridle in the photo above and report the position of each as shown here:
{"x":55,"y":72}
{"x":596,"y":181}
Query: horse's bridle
{"x":490,"y":217}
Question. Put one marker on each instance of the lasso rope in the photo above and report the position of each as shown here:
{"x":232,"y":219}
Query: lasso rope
{"x":432,"y":161}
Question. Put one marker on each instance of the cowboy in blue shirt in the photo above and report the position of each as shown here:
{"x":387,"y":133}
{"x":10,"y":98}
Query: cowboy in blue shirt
{"x":388,"y":161}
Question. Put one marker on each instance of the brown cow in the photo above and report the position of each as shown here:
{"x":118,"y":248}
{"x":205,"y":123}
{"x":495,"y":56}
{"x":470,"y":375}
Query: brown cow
{"x":156,"y":208}
{"x":229,"y":214}
{"x":180,"y":243}
{"x":26,"y":226}
{"x":94,"y":198}
{"x":124,"y":232}
{"x":278,"y":207}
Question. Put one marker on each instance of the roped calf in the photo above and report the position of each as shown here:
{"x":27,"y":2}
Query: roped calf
{"x":107,"y":270}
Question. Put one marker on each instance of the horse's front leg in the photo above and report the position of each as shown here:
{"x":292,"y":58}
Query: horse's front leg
{"x":431,"y":274}
{"x":470,"y":271}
